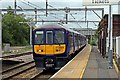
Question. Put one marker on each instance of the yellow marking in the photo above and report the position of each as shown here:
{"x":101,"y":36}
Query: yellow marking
{"x":58,"y":49}
{"x":116,"y":68}
{"x":39,"y":47}
{"x":82,"y":73}
{"x":50,"y":49}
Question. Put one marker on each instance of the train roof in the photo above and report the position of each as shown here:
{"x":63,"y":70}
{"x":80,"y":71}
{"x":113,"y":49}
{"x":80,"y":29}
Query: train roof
{"x":67,"y":27}
{"x":50,"y":26}
{"x":64,"y":26}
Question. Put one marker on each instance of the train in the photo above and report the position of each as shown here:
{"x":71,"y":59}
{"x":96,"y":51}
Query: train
{"x":53,"y":45}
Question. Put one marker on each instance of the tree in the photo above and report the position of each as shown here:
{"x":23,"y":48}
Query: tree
{"x":14,"y":32}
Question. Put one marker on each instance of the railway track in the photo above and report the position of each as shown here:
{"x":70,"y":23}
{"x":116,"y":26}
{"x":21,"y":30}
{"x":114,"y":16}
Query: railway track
{"x":26,"y":71}
{"x":16,"y":55}
{"x":46,"y":74}
{"x":15,"y":59}
{"x":11,"y":72}
{"x":28,"y":74}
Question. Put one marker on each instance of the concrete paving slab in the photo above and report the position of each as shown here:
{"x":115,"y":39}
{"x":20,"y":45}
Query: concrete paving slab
{"x":97,"y":67}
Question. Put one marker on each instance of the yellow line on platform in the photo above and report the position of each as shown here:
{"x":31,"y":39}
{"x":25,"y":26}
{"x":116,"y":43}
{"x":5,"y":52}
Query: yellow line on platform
{"x":116,"y":68}
{"x":82,"y":73}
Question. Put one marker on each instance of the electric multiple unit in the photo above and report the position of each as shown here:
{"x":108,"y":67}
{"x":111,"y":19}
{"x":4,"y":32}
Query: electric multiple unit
{"x":53,"y":44}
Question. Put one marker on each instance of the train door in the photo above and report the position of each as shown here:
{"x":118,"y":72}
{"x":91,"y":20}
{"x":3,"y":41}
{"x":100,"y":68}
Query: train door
{"x":73,"y":42}
{"x":49,"y":43}
{"x":39,"y":47}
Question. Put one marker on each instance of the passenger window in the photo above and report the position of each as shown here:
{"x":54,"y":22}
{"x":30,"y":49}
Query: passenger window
{"x":71,"y":39}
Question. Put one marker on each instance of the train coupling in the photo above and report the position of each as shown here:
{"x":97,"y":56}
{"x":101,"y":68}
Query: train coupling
{"x":49,"y":62}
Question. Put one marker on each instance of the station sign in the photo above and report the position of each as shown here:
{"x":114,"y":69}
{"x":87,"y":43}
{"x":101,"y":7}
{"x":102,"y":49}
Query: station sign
{"x":100,"y":2}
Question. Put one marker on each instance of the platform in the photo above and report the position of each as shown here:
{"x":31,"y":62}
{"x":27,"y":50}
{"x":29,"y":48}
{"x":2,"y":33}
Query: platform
{"x":87,"y":64}
{"x":98,"y":67}
{"x":75,"y":67}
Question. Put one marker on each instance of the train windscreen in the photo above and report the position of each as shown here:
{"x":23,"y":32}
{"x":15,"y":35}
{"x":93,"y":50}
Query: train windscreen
{"x":39,"y":37}
{"x":49,"y":37}
{"x":59,"y":37}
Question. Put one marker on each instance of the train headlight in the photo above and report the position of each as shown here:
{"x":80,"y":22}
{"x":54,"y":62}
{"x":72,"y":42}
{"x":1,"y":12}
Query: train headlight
{"x":58,"y":50}
{"x":39,"y":50}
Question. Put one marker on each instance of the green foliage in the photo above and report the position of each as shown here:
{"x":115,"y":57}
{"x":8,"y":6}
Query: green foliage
{"x":93,"y":43}
{"x":94,"y":40}
{"x":14,"y":32}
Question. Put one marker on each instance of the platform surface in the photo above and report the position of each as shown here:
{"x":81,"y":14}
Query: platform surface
{"x":98,"y":67}
{"x":74,"y":68}
{"x":87,"y":64}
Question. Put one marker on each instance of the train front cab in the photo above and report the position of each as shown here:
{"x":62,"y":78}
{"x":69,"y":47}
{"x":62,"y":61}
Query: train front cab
{"x":49,"y":48}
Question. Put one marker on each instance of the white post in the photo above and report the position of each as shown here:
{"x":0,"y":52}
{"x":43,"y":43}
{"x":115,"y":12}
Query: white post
{"x":0,"y":43}
{"x":109,"y":25}
{"x":0,"y":33}
{"x":110,"y":38}
{"x":30,"y":34}
{"x":91,"y":35}
{"x":30,"y":24}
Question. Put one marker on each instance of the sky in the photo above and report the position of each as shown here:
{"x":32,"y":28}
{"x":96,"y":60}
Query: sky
{"x":78,"y":15}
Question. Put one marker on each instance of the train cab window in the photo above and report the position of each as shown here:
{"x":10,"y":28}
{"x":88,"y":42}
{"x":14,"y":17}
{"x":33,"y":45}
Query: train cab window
{"x":39,"y":37}
{"x":49,"y":37}
{"x":59,"y":37}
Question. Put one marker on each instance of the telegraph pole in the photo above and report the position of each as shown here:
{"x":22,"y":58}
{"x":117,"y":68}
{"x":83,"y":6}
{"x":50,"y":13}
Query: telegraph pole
{"x":15,"y":5}
{"x":66,"y":15}
{"x":85,"y":13}
{"x":35,"y":15}
{"x":46,"y":8}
